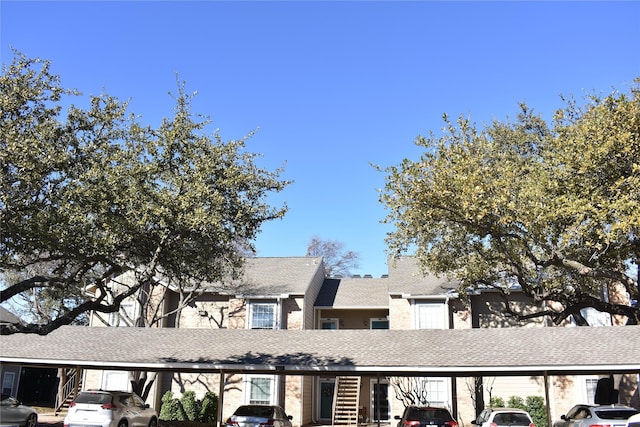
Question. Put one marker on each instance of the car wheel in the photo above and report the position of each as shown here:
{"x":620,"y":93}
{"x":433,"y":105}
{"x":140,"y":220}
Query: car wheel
{"x":123,"y":423}
{"x":153,"y":423}
{"x":32,"y":420}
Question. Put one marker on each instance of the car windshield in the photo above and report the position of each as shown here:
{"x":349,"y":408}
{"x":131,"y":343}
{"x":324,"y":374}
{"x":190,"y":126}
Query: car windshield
{"x":96,"y":398}
{"x":428,"y":414}
{"x":615,"y":414}
{"x":511,"y":418}
{"x":255,"y":411}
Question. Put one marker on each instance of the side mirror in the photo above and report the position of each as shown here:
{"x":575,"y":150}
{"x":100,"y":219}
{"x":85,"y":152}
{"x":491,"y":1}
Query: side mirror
{"x":474,"y":422}
{"x":290,"y":417}
{"x":563,"y":417}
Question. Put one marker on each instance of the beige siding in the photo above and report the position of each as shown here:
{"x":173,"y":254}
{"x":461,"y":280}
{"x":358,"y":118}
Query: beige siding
{"x":310,"y":298}
{"x":237,"y":314}
{"x":352,"y":319}
{"x":293,"y":313}
{"x":489,"y":311}
{"x":208,"y":312}
{"x":400,"y":316}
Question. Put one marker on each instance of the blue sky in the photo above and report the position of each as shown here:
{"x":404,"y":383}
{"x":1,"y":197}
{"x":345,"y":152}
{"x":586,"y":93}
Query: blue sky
{"x":332,"y":87}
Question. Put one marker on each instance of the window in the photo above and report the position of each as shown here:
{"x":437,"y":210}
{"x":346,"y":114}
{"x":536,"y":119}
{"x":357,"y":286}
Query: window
{"x":379,"y":323}
{"x":260,"y":389}
{"x":329,"y":323}
{"x":436,"y":389}
{"x":590,"y":386}
{"x":7,"y":383}
{"x":125,"y":317}
{"x":262,"y":315}
{"x":430,"y":316}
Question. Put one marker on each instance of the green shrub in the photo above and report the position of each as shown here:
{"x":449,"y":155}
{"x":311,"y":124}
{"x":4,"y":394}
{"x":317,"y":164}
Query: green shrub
{"x":171,"y":409}
{"x":190,"y":405}
{"x":209,"y":408}
{"x":496,"y":402}
{"x":188,"y":408}
{"x":537,"y":409}
{"x":516,"y":402}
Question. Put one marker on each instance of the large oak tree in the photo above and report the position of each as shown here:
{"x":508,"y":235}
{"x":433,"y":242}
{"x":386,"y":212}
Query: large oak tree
{"x":93,"y":193}
{"x":550,"y":208}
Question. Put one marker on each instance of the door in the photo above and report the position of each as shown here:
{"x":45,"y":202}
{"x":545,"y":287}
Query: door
{"x":326,"y":399}
{"x":379,"y":401}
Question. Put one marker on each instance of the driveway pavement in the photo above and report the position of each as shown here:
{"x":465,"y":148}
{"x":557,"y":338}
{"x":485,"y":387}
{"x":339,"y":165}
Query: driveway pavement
{"x":50,"y":420}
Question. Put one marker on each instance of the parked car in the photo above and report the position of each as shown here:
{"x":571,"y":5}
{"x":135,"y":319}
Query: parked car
{"x":499,"y":417}
{"x":99,"y":408}
{"x":596,"y":415}
{"x":259,"y":416}
{"x":14,"y":413}
{"x":634,"y":420}
{"x":420,"y":416}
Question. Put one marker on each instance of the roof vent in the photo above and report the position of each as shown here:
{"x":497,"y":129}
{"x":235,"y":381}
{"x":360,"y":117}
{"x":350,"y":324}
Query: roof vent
{"x":356,"y":276}
{"x":367,"y":276}
{"x":385,"y":276}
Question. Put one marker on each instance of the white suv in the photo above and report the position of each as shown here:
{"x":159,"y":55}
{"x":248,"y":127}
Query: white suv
{"x":110,"y":409}
{"x":503,"y":417}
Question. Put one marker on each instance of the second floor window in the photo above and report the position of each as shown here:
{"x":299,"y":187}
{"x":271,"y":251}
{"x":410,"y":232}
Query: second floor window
{"x":430,"y":315}
{"x":262,"y":315}
{"x":125,"y":317}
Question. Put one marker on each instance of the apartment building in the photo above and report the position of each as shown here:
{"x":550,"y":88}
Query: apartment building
{"x":293,"y":293}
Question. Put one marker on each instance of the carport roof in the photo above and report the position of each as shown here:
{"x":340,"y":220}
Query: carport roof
{"x":469,"y":352}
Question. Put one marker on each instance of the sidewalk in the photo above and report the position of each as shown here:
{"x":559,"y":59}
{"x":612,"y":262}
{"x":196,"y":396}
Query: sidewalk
{"x":51,"y":419}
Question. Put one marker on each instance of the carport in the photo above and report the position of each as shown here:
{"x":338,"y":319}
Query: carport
{"x":526,"y":351}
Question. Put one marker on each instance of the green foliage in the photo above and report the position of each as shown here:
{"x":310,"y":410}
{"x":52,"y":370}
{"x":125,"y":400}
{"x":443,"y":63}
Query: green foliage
{"x":496,"y":402}
{"x":94,"y":193}
{"x":537,"y":409}
{"x":190,"y":405}
{"x":516,"y":402}
{"x":188,"y":408}
{"x":209,"y":409}
{"x":171,"y":409}
{"x":552,"y":208}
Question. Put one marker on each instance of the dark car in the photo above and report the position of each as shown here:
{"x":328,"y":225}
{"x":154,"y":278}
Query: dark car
{"x":13,"y":413}
{"x":596,"y":415}
{"x":420,"y":416}
{"x":259,"y":416}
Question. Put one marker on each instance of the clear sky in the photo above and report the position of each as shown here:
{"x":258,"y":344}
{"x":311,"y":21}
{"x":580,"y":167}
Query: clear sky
{"x":332,"y":87}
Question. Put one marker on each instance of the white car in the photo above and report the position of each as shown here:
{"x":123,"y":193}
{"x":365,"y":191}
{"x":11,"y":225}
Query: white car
{"x":596,"y":415}
{"x":13,"y":413}
{"x":634,"y":420}
{"x":503,"y":417}
{"x":109,"y":409}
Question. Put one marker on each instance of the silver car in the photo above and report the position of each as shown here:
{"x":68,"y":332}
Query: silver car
{"x":588,"y":415}
{"x":13,"y":413}
{"x":259,"y":416}
{"x":109,"y":409}
{"x":503,"y":417}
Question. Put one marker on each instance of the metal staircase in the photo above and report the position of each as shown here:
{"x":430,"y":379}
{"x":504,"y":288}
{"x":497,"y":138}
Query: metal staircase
{"x":70,"y":383}
{"x":346,"y":400}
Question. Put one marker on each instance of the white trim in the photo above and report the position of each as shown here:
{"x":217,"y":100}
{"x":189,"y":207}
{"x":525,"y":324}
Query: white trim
{"x":522,"y":370}
{"x":273,"y":388}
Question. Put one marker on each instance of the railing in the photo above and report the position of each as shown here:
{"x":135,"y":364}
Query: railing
{"x":70,"y":380}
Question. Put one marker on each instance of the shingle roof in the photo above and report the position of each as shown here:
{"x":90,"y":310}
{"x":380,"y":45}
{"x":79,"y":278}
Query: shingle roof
{"x":281,"y":275}
{"x":8,"y":317}
{"x":405,"y":278}
{"x":492,"y":351}
{"x":354,"y":293}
